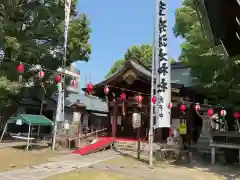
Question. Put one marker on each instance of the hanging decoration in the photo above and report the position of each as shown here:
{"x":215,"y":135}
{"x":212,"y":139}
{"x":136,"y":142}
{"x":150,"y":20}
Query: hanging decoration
{"x":73,"y":83}
{"x":163,"y":69}
{"x":139,"y":99}
{"x":154,"y":99}
{"x":41,"y":74}
{"x":90,"y":88}
{"x":223,"y":113}
{"x":183,"y":108}
{"x":170,"y":105}
{"x":106,"y":91}
{"x":58,"y":78}
{"x":123,"y":99}
{"x":236,"y":115}
{"x":170,"y":132}
{"x":210,"y":112}
{"x":197,"y":107}
{"x":20,"y":69}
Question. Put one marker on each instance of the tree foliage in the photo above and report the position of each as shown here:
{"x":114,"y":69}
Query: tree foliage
{"x":32,"y":32}
{"x":142,"y":54}
{"x":215,"y":75}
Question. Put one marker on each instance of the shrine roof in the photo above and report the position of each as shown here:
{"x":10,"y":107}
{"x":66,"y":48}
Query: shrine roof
{"x":92,"y":103}
{"x":180,"y":74}
{"x":221,"y":23}
{"x":140,"y":69}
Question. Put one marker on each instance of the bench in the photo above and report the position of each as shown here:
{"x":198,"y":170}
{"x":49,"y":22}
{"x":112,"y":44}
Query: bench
{"x":222,"y":145}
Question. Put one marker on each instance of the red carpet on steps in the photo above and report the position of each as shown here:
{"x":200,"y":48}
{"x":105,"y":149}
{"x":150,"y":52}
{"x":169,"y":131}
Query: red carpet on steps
{"x":102,"y":143}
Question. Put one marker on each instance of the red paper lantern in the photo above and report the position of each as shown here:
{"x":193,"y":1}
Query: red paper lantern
{"x":123,"y":97}
{"x":73,"y":82}
{"x":223,"y":112}
{"x":139,"y":99}
{"x":170,"y":132}
{"x":106,"y":90}
{"x":58,"y":78}
{"x":210,"y":112}
{"x":41,"y":74}
{"x":236,"y":115}
{"x":197,"y":107}
{"x":90,"y":88}
{"x":154,"y":99}
{"x":183,"y":108}
{"x":20,"y":68}
{"x":170,"y":105}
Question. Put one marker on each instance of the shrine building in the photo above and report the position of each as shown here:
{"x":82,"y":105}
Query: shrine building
{"x":134,"y":79}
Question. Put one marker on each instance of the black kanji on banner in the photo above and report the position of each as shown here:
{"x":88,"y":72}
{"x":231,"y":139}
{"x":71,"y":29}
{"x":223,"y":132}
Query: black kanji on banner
{"x":162,"y":40}
{"x":162,"y":25}
{"x":160,"y":107}
{"x":161,"y":115}
{"x":162,"y":6}
{"x":162,"y":55}
{"x":163,"y":69}
{"x":160,"y":100}
{"x":162,"y":87}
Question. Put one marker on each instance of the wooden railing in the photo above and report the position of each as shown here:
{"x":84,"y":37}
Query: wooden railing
{"x":85,"y":136}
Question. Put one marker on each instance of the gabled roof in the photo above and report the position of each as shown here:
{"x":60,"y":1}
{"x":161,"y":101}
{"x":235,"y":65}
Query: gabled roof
{"x":141,"y":70}
{"x":180,"y":74}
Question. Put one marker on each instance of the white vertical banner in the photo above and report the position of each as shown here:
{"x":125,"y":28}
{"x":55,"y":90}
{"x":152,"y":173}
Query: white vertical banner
{"x":66,"y":24}
{"x":163,"y":69}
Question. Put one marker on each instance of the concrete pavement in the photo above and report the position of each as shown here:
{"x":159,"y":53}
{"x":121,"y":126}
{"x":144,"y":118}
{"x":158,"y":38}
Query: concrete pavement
{"x":60,"y":165}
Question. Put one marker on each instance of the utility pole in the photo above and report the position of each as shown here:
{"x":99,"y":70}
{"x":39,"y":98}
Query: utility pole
{"x":153,"y":88}
{"x":58,"y":114}
{"x":60,"y":103}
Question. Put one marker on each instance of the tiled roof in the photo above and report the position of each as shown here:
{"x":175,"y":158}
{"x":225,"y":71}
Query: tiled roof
{"x":180,"y":74}
{"x":92,"y":103}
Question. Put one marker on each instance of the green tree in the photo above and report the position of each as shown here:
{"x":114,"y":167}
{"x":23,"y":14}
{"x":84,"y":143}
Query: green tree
{"x":32,"y":32}
{"x":142,"y":54}
{"x":215,"y":75}
{"x":115,"y":67}
{"x":172,"y":60}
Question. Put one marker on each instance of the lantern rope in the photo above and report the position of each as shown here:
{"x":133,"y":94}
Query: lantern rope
{"x":116,"y":87}
{"x":32,"y":65}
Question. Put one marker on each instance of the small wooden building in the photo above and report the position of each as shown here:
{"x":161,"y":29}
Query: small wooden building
{"x":134,"y":79}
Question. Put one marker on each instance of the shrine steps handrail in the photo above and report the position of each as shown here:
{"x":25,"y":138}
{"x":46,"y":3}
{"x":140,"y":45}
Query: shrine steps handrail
{"x":89,"y":134}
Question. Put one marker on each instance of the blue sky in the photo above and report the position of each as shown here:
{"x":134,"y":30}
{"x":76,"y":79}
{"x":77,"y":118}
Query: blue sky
{"x":117,"y":25}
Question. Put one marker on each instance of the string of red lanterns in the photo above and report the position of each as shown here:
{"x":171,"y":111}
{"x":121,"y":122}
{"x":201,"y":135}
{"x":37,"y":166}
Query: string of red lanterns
{"x":139,"y":99}
{"x":41,"y":74}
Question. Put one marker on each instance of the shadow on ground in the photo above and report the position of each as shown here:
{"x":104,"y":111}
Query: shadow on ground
{"x":199,"y":162}
{"x":203,"y":163}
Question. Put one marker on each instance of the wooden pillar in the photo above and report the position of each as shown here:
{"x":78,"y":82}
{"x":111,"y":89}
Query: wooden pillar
{"x":213,"y":155}
{"x":114,"y":120}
